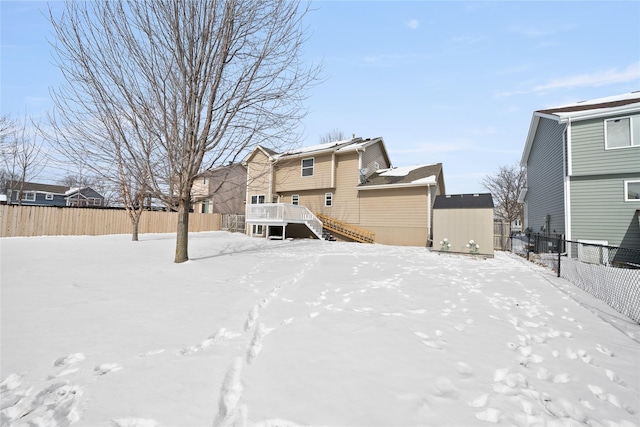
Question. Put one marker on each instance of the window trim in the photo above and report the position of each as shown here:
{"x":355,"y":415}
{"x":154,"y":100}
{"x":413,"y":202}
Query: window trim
{"x":48,"y":196}
{"x":626,"y":190}
{"x":303,"y":167}
{"x":295,"y":199}
{"x":632,"y":143}
{"x":328,"y":199}
{"x":28,"y":196}
{"x":257,"y":197}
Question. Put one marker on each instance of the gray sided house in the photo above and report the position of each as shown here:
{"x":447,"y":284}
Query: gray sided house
{"x":35,"y":194}
{"x":583,"y":171}
{"x":84,"y":197}
{"x":463,"y":223}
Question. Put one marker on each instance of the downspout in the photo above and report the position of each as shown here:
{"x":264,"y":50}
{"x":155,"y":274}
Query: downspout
{"x":359,"y":151}
{"x":270,"y":196}
{"x":333,"y":169}
{"x":429,"y":237}
{"x":567,"y":169}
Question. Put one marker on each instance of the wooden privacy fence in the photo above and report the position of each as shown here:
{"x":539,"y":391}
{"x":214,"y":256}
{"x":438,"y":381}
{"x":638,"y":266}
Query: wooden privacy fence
{"x":56,"y":221}
{"x":501,"y":234}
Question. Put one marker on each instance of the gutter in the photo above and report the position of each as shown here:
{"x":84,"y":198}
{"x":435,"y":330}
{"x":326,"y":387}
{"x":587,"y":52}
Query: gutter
{"x":388,"y":186}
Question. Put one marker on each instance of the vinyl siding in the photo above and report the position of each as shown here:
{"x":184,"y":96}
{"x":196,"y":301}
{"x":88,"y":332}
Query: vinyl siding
{"x":589,"y":154}
{"x":545,"y":178}
{"x":372,"y":155}
{"x":459,"y":226}
{"x":599,"y":212}
{"x":258,"y":176}
{"x":345,"y":203}
{"x":289,"y":174}
{"x":397,"y":216}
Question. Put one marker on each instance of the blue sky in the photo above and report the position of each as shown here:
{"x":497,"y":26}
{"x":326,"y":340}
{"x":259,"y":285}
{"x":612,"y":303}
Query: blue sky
{"x":452,"y":82}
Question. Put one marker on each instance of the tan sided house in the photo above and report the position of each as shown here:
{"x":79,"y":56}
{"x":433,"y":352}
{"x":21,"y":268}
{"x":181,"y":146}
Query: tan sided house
{"x":346,"y":188}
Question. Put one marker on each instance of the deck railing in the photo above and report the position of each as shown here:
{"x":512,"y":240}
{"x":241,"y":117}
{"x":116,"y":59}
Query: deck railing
{"x":283,"y":213}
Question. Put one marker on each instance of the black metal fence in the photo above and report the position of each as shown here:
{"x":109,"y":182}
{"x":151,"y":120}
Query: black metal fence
{"x":610,"y":273}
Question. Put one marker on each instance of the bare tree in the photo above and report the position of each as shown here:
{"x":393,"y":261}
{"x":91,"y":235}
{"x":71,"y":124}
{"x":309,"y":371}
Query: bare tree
{"x":22,"y":154}
{"x":331,"y":136}
{"x":505,"y":187}
{"x":159,"y":92}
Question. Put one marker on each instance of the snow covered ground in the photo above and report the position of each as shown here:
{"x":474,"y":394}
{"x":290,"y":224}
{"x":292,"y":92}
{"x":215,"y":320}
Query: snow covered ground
{"x":102,"y":331}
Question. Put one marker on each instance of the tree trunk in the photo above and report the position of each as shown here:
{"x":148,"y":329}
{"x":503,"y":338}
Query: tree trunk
{"x":182,"y":237}
{"x":136,"y":223}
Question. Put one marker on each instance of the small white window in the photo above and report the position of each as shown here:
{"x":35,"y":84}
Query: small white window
{"x":29,"y":196}
{"x":328,"y":199}
{"x":622,"y":132}
{"x":48,"y":196}
{"x":632,"y":191}
{"x":307,"y":167}
{"x":258,"y":199}
{"x":295,"y":199}
{"x":376,"y":165}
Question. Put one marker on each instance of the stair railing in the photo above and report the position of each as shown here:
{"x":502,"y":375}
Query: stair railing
{"x":346,"y":229}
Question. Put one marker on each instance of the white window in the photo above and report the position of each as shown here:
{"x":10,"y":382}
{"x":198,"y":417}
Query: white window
{"x":376,"y":165}
{"x":328,"y":199}
{"x":29,"y":196}
{"x":307,"y":167}
{"x":257,"y":199}
{"x":632,"y":191}
{"x":622,"y":132}
{"x":257,"y":230}
{"x":48,"y":196}
{"x":93,"y":201}
{"x":295,"y":199}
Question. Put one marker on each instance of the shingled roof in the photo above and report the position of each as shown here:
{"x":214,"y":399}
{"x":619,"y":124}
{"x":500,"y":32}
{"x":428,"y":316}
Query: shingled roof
{"x":591,"y":106}
{"x":463,"y":201}
{"x":34,"y":186}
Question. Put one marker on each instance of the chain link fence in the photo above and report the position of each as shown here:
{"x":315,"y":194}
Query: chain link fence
{"x":609,"y":273}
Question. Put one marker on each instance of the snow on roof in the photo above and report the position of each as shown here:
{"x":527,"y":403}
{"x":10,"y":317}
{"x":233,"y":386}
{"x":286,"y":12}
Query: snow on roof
{"x":319,"y":147}
{"x":431,"y":179}
{"x":400,"y":171}
{"x":587,"y":109}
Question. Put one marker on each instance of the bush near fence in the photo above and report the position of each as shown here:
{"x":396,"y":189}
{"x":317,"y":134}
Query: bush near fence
{"x":609,"y":273}
{"x":30,"y":221}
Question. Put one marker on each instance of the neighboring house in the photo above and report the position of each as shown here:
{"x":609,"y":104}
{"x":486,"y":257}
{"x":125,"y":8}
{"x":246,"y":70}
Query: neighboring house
{"x":463,"y":223}
{"x":583,"y":171}
{"x":35,"y":194}
{"x":221,"y":190}
{"x":84,"y":197}
{"x":349,"y":185}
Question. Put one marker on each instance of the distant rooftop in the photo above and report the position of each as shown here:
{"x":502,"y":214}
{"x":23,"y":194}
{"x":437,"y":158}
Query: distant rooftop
{"x":463,"y":201}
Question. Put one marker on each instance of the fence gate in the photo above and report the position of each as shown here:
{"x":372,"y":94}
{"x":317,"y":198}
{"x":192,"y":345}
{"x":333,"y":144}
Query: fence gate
{"x":501,"y":234}
{"x":233,"y":223}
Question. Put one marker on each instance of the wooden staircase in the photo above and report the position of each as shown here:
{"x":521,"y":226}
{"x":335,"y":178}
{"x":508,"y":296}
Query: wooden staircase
{"x":346,"y":230}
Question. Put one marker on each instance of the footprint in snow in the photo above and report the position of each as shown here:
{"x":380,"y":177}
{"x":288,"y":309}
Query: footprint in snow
{"x":490,"y":415}
{"x":480,"y":401}
{"x":614,"y":377}
{"x":604,"y":350}
{"x":464,"y":370}
{"x":105,"y":368}
{"x":256,"y":343}
{"x":69,"y":360}
{"x":446,"y":389}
